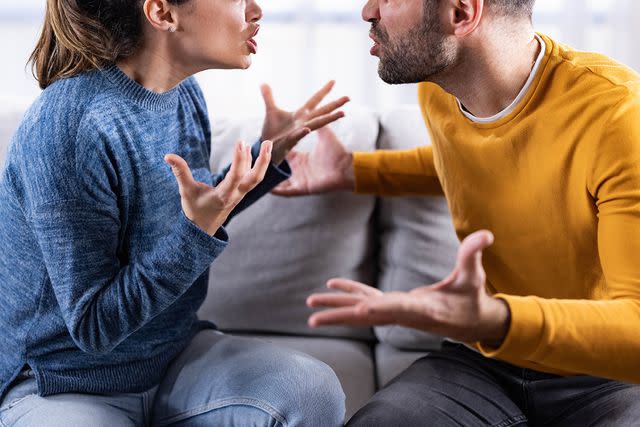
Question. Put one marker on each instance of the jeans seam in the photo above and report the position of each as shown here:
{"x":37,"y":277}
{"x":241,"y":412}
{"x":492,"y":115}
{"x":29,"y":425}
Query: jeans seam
{"x":511,"y":421}
{"x":219,"y":404}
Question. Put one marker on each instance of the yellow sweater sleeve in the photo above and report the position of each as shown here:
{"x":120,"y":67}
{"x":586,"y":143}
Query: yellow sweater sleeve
{"x":599,"y":337}
{"x":397,"y":173}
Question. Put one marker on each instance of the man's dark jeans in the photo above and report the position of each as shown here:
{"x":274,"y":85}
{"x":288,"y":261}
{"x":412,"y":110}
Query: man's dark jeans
{"x":459,"y":387}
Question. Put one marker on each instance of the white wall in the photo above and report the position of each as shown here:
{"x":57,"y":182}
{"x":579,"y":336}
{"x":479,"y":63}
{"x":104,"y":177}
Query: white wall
{"x":304,"y":43}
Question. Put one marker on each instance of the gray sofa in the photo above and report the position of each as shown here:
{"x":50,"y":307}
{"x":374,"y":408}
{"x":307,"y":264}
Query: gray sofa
{"x":282,"y":250}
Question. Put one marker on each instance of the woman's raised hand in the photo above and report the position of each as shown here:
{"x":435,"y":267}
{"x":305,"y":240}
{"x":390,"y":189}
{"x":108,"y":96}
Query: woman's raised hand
{"x":209,"y":207}
{"x":287,"y":128}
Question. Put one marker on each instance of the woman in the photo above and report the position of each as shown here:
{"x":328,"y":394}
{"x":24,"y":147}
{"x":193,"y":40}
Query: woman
{"x":105,"y":258}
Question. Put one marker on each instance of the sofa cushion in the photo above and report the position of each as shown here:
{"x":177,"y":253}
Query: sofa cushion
{"x":10,"y":118}
{"x":418,"y":243}
{"x":352,"y":361}
{"x":282,"y":250}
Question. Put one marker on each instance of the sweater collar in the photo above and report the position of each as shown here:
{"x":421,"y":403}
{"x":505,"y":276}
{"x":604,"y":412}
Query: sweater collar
{"x":139,"y":94}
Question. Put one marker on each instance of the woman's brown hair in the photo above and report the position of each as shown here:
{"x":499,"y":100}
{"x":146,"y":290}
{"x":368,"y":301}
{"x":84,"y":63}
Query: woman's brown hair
{"x":82,"y":35}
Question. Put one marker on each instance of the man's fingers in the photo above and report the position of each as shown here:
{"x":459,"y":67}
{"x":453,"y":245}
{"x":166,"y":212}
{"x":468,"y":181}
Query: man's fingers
{"x":317,"y":98}
{"x":322,"y":121}
{"x":288,"y":189}
{"x":352,"y":287}
{"x":470,"y":252}
{"x":349,"y":316}
{"x":181,"y":171}
{"x":267,"y":95}
{"x":257,"y":173}
{"x":332,"y":106}
{"x":333,"y":300}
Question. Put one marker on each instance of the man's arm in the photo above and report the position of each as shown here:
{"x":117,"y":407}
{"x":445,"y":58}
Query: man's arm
{"x":330,"y":167}
{"x":601,"y":337}
{"x":397,"y":173}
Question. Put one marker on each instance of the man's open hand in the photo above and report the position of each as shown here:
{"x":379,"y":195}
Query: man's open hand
{"x":457,"y":307}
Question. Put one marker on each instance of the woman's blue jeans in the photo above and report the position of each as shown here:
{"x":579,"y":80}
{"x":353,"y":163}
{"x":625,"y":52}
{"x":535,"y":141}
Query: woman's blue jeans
{"x":219,"y":380}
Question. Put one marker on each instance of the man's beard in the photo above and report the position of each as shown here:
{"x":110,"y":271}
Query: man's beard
{"x":415,"y":57}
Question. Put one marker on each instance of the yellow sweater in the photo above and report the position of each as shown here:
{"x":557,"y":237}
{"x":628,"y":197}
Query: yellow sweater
{"x":558,"y":183}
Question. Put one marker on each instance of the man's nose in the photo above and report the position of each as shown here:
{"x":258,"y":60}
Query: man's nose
{"x":371,"y":11}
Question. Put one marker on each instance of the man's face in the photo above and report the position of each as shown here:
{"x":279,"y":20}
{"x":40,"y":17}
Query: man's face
{"x":408,"y":39}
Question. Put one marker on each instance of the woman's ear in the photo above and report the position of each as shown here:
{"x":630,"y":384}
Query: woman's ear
{"x":463,"y":16}
{"x":161,"y":15}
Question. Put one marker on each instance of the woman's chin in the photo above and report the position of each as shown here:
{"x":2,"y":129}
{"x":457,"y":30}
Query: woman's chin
{"x":246,"y":62}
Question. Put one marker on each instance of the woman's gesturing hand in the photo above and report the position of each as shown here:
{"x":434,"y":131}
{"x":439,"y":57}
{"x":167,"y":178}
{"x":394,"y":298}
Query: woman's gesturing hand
{"x":458,"y":307}
{"x":287,"y":128}
{"x":208,"y":207}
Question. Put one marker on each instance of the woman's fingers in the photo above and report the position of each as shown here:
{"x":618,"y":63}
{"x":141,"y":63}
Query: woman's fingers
{"x":322,"y":121}
{"x":317,"y":98}
{"x":330,"y":107}
{"x":181,"y":171}
{"x":267,"y":95}
{"x":353,"y":287}
{"x":255,"y":175}
{"x":239,"y":166}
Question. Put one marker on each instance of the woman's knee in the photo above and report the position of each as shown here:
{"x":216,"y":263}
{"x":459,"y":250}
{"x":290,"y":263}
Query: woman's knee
{"x":318,"y":398}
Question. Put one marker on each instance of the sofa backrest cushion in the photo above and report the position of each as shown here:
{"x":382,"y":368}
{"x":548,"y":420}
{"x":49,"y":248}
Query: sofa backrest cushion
{"x":418,"y":245}
{"x":282,"y":250}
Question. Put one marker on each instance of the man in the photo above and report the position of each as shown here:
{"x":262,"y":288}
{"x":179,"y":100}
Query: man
{"x":539,"y":144}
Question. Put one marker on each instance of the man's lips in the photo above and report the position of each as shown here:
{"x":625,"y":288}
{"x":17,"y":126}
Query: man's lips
{"x":376,"y":45}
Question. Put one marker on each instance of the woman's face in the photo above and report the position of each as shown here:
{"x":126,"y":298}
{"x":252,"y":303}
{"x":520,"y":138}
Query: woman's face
{"x":216,"y":34}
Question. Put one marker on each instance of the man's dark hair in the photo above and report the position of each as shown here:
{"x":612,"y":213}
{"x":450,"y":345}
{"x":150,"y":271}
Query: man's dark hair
{"x":516,"y":8}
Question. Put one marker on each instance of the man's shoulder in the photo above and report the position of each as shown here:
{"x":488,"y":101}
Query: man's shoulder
{"x":597,"y":71}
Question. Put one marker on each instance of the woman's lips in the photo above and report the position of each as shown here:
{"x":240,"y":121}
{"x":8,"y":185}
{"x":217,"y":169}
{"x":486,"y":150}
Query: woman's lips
{"x":253,"y":46}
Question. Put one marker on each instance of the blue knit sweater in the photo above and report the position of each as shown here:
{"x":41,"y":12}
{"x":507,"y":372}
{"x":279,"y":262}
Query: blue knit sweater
{"x":101,"y":273}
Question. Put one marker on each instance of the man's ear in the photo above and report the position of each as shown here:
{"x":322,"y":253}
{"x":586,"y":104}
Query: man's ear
{"x":463,"y":16}
{"x":161,"y":15}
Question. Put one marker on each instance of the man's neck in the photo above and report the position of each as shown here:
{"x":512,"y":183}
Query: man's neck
{"x":492,"y":73}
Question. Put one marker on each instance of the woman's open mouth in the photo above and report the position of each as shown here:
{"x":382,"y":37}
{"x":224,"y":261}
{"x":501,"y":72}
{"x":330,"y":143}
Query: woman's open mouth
{"x":251,"y":43}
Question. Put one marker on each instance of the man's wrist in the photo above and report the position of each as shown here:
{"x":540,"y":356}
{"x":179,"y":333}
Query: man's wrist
{"x":348,"y":173}
{"x":499,"y":320}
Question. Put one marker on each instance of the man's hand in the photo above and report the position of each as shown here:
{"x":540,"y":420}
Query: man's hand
{"x":209,"y":207}
{"x":457,"y":307}
{"x":286,"y":128}
{"x":329,"y":167}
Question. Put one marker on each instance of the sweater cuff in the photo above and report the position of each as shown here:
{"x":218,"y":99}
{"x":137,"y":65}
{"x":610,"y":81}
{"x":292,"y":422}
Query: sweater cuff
{"x":525,"y":331}
{"x":365,"y":170}
{"x":192,"y":235}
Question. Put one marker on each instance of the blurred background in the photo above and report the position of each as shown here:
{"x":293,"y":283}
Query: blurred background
{"x":304,"y":43}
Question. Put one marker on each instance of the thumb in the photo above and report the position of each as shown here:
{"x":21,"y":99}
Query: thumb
{"x":267,"y":95}
{"x":181,"y":171}
{"x":470,"y":252}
